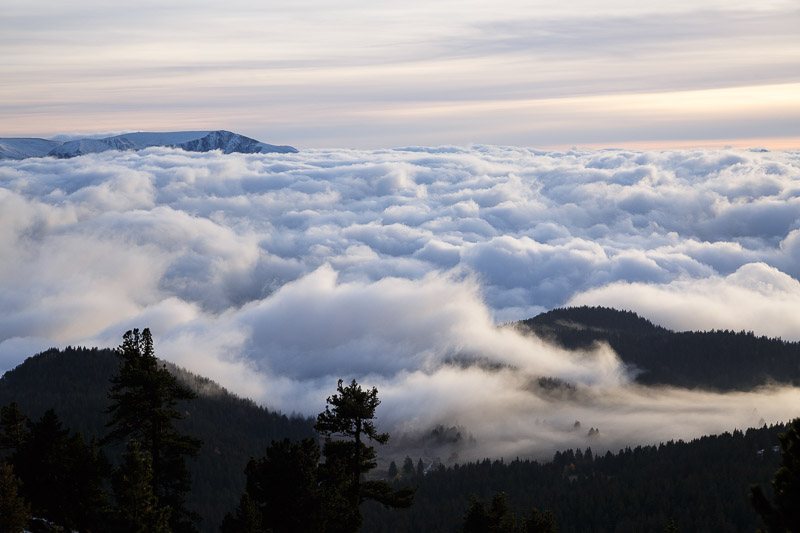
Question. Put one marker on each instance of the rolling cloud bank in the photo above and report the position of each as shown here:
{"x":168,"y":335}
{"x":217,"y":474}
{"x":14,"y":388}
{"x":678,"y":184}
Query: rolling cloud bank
{"x":276,"y":274}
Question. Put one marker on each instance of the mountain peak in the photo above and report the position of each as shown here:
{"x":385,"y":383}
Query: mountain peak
{"x":192,"y":141}
{"x":593,"y":318}
{"x":229,"y":142}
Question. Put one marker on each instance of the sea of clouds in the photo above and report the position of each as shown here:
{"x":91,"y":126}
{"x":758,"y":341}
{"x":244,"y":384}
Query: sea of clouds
{"x":276,"y":275}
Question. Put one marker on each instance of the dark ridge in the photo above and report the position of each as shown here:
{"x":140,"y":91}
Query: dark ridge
{"x":596,"y":318}
{"x":720,"y":359}
{"x":75,"y":381}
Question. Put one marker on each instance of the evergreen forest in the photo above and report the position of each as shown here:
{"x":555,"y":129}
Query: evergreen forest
{"x":90,"y":438}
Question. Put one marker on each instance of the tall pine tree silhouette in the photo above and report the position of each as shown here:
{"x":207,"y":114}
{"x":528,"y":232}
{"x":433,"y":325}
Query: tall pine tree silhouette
{"x":144,"y":398}
{"x":347,"y":424}
{"x":61,"y":475}
{"x":784,"y":513}
{"x":137,"y":506}
{"x":288,"y":491}
{"x":14,"y":511}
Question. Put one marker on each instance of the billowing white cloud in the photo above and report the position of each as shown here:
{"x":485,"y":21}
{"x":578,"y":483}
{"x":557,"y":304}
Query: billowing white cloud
{"x":276,"y":274}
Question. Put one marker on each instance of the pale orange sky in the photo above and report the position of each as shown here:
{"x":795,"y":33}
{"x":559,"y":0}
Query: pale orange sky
{"x":781,"y":143}
{"x":374,"y":74}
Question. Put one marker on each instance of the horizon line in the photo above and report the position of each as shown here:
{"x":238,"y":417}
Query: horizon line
{"x":779,"y":143}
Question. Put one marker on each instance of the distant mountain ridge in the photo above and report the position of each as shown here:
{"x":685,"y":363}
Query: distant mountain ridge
{"x":192,"y":141}
{"x":722,"y":360}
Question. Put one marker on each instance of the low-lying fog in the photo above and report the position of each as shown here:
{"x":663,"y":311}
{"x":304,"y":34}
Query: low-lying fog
{"x":275,"y":275}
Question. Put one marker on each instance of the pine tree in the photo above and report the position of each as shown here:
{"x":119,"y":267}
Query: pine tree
{"x":346,"y":423}
{"x":246,"y":519}
{"x":282,"y":493}
{"x":540,"y":522}
{"x":499,"y":518}
{"x":784,"y":513}
{"x":14,"y":511}
{"x":408,"y":467}
{"x":88,"y":471}
{"x":42,"y":464}
{"x":62,"y":476}
{"x":144,"y":396}
{"x":138,"y":509}
{"x":476,"y":519}
{"x":14,"y":427}
{"x":288,"y":490}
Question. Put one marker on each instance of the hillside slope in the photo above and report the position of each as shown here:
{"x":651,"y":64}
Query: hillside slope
{"x":20,"y":148}
{"x":75,"y":381}
{"x":701,"y":485}
{"x":723,"y":360}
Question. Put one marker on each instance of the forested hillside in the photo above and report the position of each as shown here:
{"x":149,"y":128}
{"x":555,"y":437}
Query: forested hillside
{"x":75,"y":381}
{"x":723,"y":360}
{"x":699,"y":485}
{"x":702,"y":485}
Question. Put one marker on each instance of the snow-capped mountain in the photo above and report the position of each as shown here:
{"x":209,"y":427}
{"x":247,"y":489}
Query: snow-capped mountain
{"x":15,"y":148}
{"x":230,"y":142}
{"x":191,"y":141}
{"x":84,"y":146}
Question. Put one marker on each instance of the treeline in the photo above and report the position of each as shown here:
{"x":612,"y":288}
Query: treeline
{"x":50,"y":473}
{"x":298,"y":487}
{"x":62,"y":483}
{"x":291,"y":474}
{"x":76,"y":381}
{"x":702,"y":485}
{"x":53,"y":480}
{"x":722,"y":360}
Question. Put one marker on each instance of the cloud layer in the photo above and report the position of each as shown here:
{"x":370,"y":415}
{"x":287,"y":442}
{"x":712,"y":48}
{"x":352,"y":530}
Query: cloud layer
{"x":278,"y":274}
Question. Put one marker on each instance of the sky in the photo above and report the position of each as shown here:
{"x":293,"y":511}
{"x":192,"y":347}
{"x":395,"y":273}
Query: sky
{"x":277,"y":274}
{"x":367,"y":75}
{"x":462,"y":165}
